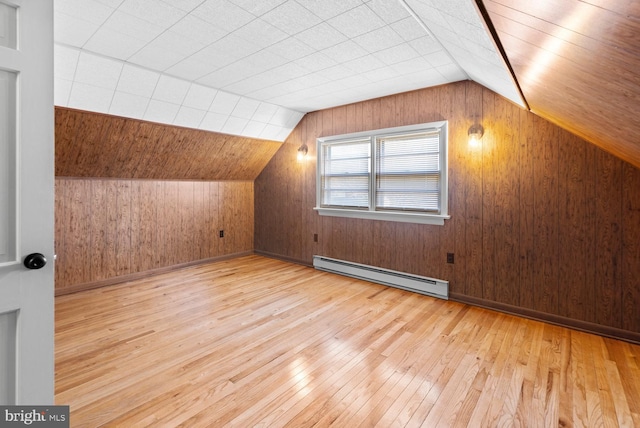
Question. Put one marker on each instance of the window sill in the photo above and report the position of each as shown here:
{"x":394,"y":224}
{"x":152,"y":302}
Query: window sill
{"x":405,"y":217}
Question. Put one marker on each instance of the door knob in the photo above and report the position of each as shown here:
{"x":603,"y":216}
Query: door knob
{"x":35,"y":261}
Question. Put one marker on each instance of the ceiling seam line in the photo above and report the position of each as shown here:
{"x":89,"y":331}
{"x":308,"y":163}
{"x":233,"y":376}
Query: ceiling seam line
{"x":433,"y":36}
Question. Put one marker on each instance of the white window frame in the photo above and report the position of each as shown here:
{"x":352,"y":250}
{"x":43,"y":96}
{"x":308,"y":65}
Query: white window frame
{"x":436,"y":218}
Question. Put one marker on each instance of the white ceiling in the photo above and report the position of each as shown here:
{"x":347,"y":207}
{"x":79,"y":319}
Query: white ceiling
{"x":254,"y":67}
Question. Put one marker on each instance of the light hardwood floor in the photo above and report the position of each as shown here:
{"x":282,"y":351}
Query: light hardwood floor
{"x":254,"y":341}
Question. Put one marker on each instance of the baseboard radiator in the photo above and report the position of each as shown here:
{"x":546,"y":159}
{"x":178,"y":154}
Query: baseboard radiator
{"x":406,"y":281}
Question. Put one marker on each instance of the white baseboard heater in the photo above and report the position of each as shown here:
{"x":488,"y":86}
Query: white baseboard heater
{"x":406,"y":281}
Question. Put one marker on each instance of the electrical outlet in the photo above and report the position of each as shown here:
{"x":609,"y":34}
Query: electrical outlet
{"x":450,"y":258}
{"x":222,"y":233}
{"x":315,"y":237}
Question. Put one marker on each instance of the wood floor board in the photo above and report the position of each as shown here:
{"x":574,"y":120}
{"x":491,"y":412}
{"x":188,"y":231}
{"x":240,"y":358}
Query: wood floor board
{"x":258,"y":342}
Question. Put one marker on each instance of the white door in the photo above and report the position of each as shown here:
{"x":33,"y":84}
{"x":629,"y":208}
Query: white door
{"x":26,"y":201}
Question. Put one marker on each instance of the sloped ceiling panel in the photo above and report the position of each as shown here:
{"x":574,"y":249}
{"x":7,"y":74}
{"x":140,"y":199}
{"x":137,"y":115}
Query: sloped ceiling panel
{"x":98,"y":145}
{"x":577,"y":62}
{"x":253,"y":68}
{"x":456,"y":24}
{"x":92,"y":82}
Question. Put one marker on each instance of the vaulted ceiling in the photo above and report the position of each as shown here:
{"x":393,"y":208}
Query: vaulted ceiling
{"x":254,"y":68}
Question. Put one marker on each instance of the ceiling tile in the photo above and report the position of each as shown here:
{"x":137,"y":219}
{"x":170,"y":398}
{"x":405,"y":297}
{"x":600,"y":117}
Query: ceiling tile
{"x":260,"y":33}
{"x":409,"y":29}
{"x":171,"y":90}
{"x":388,"y":11}
{"x":89,"y":97}
{"x":291,"y":18}
{"x":321,"y":36}
{"x":61,"y":91}
{"x":224,"y":14}
{"x":72,"y":31}
{"x":128,"y":105}
{"x":65,"y":61}
{"x":224,"y":103}
{"x":327,"y":9}
{"x":98,"y":71}
{"x":379,"y":39}
{"x":132,"y":26}
{"x":245,"y":108}
{"x":254,"y":129}
{"x":345,"y":51}
{"x":213,"y":121}
{"x":356,"y":22}
{"x":189,"y":117}
{"x":114,"y":44}
{"x":425,"y":45}
{"x":314,"y":62}
{"x":160,"y":111}
{"x":234,"y":125}
{"x":86,"y":10}
{"x":137,"y":81}
{"x":438,"y":59}
{"x":153,"y":11}
{"x":264,"y":112}
{"x":185,"y":5}
{"x":200,"y":31}
{"x":290,"y":49}
{"x":156,"y":57}
{"x":191,"y":69}
{"x":396,"y":54}
{"x":199,"y":97}
{"x":258,"y":8}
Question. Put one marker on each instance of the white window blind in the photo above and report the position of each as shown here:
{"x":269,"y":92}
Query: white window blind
{"x":345,"y":174}
{"x":397,"y":174}
{"x":408,"y":172}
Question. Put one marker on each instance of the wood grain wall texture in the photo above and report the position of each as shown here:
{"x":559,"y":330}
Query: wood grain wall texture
{"x":107,"y":228}
{"x":100,"y":145}
{"x":541,"y":220}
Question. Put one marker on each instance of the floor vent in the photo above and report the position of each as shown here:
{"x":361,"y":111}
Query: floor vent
{"x":406,"y":281}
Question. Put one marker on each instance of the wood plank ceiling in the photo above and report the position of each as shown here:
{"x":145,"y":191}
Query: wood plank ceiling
{"x":576,"y":62}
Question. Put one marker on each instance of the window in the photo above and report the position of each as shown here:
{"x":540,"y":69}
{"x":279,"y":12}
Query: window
{"x":397,"y":174}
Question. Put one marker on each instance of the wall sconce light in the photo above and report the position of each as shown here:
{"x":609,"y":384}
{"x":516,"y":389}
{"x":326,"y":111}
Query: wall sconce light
{"x":302,"y":152}
{"x":476,"y":131}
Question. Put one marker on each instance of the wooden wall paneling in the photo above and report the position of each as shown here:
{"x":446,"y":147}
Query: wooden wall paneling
{"x":148,"y":148}
{"x":187,"y":242}
{"x":526,"y":250}
{"x":170,"y":224}
{"x":631,"y":248}
{"x":145,"y":197}
{"x":124,"y":248}
{"x":588,"y":290}
{"x":451,"y":233}
{"x":109,"y":149}
{"x":546,"y":218}
{"x":77,"y":226}
{"x":110,"y":265}
{"x":309,"y":216}
{"x":98,"y":259}
{"x":87,"y":135}
{"x":226,"y":198}
{"x":471,"y":170}
{"x":99,"y":145}
{"x":129,"y":142}
{"x":572,"y":212}
{"x":213,"y":219}
{"x":507,"y":196}
{"x":201,"y":243}
{"x":608,"y":209}
{"x":490,"y":141}
{"x":66,"y":129}
{"x":60,"y":232}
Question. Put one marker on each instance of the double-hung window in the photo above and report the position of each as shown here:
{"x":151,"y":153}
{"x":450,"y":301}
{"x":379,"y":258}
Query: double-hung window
{"x":397,"y":174}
